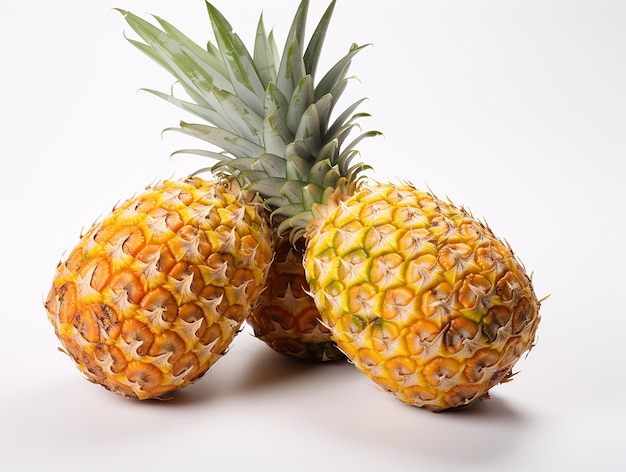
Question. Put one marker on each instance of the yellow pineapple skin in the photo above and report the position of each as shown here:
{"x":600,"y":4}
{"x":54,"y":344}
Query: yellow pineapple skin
{"x":286,"y":317}
{"x":154,"y":293}
{"x":420,"y":296}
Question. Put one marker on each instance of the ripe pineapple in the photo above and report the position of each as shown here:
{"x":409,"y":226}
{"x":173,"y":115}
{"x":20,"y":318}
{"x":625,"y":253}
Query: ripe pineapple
{"x":154,"y":293}
{"x":272,"y":121}
{"x":421,"y":297}
{"x":418,"y":294}
{"x":286,"y":317}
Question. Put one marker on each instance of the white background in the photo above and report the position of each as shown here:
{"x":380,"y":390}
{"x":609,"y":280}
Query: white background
{"x":515,"y":109}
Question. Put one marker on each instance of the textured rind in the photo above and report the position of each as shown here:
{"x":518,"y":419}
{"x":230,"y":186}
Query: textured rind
{"x":420,"y":296}
{"x":286,"y":317}
{"x":155,"y":292}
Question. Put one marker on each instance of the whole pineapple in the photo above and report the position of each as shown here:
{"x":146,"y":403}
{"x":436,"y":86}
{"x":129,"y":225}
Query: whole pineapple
{"x":271,"y":120}
{"x":154,"y":293}
{"x":418,"y":294}
{"x":421,"y":297}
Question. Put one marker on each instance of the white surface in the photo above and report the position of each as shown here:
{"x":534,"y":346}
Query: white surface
{"x":515,"y":109}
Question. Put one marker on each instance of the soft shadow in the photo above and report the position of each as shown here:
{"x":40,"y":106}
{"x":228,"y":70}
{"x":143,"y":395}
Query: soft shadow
{"x":255,"y":369}
{"x":248,"y":368}
{"x":478,"y":433}
{"x":484,"y":409}
{"x":471,"y":435}
{"x":270,"y":369}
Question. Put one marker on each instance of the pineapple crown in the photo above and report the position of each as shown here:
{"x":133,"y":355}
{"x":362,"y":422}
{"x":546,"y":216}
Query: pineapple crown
{"x":264,"y":111}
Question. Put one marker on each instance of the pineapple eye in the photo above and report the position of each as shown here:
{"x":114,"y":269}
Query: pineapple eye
{"x":111,"y":357}
{"x":440,"y":370}
{"x":126,"y":284}
{"x":108,"y":319}
{"x":137,"y":336}
{"x":460,"y":395}
{"x":134,"y":242}
{"x":362,"y":298}
{"x":400,"y":367}
{"x":478,"y":365}
{"x":522,"y":314}
{"x":368,"y":357}
{"x":399,"y":304}
{"x":496,"y":318}
{"x":169,"y":345}
{"x":387,"y":271}
{"x":160,"y":305}
{"x":146,"y":377}
{"x":421,"y":335}
{"x":187,"y":366}
{"x":87,"y":326}
{"x":459,"y":330}
{"x":508,"y":285}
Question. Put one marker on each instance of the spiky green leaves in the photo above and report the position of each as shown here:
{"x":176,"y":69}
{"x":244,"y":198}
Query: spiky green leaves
{"x":264,"y":111}
{"x":242,"y":72}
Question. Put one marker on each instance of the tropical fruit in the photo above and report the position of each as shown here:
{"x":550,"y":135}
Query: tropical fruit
{"x":418,"y":294}
{"x":153,"y":294}
{"x":421,"y":296}
{"x":270,"y":119}
{"x":286,"y":317}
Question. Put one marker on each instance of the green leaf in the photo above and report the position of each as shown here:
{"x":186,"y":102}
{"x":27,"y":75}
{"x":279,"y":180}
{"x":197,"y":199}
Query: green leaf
{"x":265,"y":55}
{"x":241,"y":164}
{"x":331,"y":178}
{"x":298,"y":24}
{"x":329,"y":151}
{"x":207,"y":59}
{"x":204,"y":112}
{"x":299,"y":148}
{"x":291,"y":69}
{"x":276,"y":135}
{"x":313,"y":50}
{"x":342,"y":134}
{"x":301,"y":99}
{"x":340,"y":121}
{"x":319,"y":171}
{"x":230,"y":142}
{"x":268,"y":187}
{"x":242,"y":71}
{"x":309,"y":130}
{"x":270,"y":164}
{"x":312,"y":194}
{"x":217,"y":156}
{"x":275,"y":101}
{"x":247,"y":122}
{"x":324,"y":106}
{"x":191,"y":70}
{"x":297,"y":168}
{"x":250,"y":176}
{"x":336,"y":73}
{"x":288,"y":210}
{"x":358,"y":139}
{"x":275,"y":202}
{"x":357,"y":169}
{"x":292,"y":191}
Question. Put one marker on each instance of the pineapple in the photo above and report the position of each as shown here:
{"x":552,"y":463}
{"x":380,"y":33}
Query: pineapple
{"x":419,"y":295}
{"x":154,"y":293}
{"x":270,"y":121}
{"x":286,"y":317}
